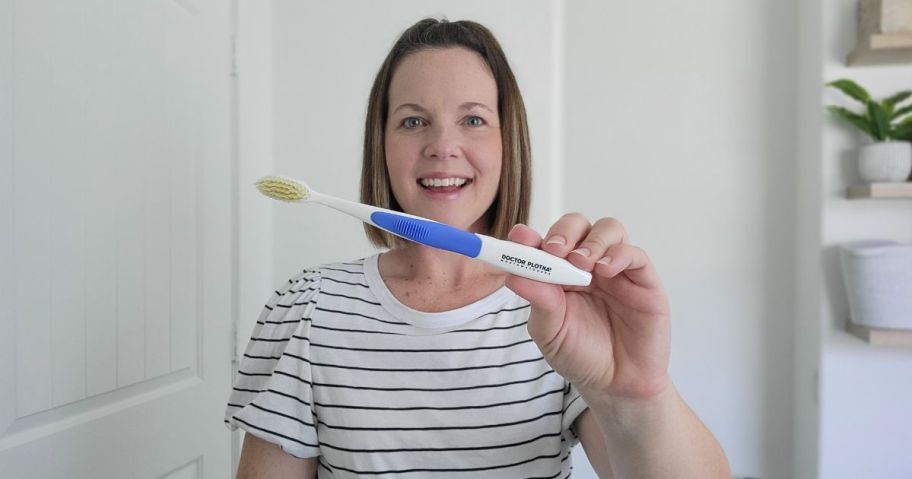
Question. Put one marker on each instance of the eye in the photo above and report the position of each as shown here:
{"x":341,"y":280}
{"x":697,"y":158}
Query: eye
{"x":475,"y":121}
{"x":412,"y":122}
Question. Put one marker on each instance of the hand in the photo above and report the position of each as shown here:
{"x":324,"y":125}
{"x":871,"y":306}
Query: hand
{"x":613,"y":336}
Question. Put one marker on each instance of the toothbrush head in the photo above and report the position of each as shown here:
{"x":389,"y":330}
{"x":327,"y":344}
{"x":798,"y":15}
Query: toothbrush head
{"x":283,"y":189}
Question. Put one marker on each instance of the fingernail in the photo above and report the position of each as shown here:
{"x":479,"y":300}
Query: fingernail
{"x":584,"y":252}
{"x":514,"y":227}
{"x":605,"y":261}
{"x":556,"y":239}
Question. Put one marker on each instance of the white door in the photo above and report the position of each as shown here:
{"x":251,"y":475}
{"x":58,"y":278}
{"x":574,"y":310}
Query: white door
{"x":116,"y":238}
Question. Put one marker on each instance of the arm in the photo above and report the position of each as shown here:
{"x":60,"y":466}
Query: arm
{"x":263,"y":459}
{"x":654,"y":438}
{"x":594,"y":443}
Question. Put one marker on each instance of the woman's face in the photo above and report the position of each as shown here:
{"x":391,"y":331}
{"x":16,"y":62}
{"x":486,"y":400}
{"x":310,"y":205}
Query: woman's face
{"x":442,"y":138}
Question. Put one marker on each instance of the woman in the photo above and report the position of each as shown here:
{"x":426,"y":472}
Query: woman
{"x":423,"y":363}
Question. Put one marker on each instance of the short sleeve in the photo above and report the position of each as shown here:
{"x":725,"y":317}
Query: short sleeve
{"x":272,"y":397}
{"x":574,"y":404}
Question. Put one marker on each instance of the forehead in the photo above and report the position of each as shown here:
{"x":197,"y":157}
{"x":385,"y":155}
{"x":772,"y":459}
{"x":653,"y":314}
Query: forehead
{"x":443,"y":75}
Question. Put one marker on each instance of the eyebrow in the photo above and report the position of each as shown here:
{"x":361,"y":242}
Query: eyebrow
{"x":465,"y":106}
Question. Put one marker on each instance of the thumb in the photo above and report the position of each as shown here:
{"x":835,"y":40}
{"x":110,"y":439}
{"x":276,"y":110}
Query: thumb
{"x":549,"y":305}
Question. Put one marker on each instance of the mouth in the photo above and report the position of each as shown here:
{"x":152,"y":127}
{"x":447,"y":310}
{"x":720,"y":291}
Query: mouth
{"x":443,"y":185}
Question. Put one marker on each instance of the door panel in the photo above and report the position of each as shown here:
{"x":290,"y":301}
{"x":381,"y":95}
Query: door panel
{"x":116,"y":242}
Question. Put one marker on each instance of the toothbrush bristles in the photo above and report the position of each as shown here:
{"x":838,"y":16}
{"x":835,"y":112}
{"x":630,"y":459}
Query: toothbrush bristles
{"x":282,"y":189}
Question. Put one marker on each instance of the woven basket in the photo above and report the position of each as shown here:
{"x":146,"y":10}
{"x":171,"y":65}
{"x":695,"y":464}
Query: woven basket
{"x":878,"y":280}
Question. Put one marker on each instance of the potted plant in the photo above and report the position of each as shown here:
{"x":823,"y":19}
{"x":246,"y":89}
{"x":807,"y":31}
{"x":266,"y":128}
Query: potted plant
{"x":889,"y":123}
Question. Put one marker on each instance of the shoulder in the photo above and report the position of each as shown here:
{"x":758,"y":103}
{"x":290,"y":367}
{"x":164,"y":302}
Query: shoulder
{"x":304,"y":287}
{"x":344,"y":275}
{"x":301,"y":287}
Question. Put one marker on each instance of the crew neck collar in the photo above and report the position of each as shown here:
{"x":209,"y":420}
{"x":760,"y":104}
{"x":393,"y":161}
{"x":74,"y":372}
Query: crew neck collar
{"x":444,"y":320}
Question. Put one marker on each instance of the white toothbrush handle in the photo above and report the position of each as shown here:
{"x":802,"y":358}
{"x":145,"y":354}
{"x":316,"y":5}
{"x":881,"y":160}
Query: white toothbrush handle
{"x":514,"y":258}
{"x":531,"y":263}
{"x":358,"y":210}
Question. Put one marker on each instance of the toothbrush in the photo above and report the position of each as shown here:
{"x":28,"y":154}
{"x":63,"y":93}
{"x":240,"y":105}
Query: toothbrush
{"x":511,"y":257}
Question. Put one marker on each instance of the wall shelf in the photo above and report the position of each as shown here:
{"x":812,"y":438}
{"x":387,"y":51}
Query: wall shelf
{"x":882,"y":49}
{"x":880,"y":337}
{"x":881,"y":190}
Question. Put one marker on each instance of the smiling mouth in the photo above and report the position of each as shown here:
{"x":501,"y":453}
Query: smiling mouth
{"x":443,"y":185}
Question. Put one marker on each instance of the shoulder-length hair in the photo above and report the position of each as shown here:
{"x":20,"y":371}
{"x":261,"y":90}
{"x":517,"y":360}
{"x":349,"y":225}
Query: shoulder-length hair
{"x":511,"y":205}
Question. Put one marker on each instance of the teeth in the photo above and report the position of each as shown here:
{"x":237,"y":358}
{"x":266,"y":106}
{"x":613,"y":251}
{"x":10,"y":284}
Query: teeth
{"x":428,"y":182}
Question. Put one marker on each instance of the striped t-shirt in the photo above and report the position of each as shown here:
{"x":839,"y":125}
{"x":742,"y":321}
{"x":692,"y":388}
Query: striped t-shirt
{"x":337,"y":368}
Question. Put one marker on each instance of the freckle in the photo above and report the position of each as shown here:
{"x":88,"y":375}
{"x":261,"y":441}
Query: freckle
{"x":407,"y":294}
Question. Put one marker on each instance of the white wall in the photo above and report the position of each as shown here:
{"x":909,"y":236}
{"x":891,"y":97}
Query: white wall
{"x":808,"y":272}
{"x":866,"y":391}
{"x":679,"y":122}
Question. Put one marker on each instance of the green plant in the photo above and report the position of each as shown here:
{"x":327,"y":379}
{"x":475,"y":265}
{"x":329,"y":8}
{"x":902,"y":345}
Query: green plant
{"x":884,"y":120}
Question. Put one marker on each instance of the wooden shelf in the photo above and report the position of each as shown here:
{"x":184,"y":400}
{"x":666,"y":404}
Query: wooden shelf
{"x":881,"y":190}
{"x":882,"y":49}
{"x":880,"y":337}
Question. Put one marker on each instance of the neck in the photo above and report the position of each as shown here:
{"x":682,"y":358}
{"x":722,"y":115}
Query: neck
{"x":434,"y":268}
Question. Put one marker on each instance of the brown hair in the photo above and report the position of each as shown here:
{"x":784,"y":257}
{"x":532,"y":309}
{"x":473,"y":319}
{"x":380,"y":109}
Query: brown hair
{"x":511,"y":205}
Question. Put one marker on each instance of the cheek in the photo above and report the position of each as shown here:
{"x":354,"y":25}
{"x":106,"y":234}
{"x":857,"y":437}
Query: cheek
{"x":396,"y":162}
{"x":494,"y":160}
{"x":402,"y":145}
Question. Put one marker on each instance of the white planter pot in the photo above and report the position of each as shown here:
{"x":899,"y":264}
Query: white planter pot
{"x":878,"y":280}
{"x":885,"y":162}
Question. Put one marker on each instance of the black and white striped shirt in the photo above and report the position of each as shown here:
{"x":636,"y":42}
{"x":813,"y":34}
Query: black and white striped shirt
{"x":338,"y":369}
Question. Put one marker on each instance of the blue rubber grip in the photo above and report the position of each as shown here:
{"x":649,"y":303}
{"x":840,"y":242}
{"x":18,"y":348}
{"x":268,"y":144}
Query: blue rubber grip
{"x":429,"y":233}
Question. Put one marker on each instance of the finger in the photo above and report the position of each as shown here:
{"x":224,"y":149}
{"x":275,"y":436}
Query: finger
{"x":630,"y":260}
{"x":524,"y":235}
{"x":605,"y":233}
{"x":548,"y":307}
{"x":565,"y":233}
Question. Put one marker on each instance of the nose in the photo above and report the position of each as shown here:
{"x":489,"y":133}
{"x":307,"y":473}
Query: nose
{"x":442,"y":143}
